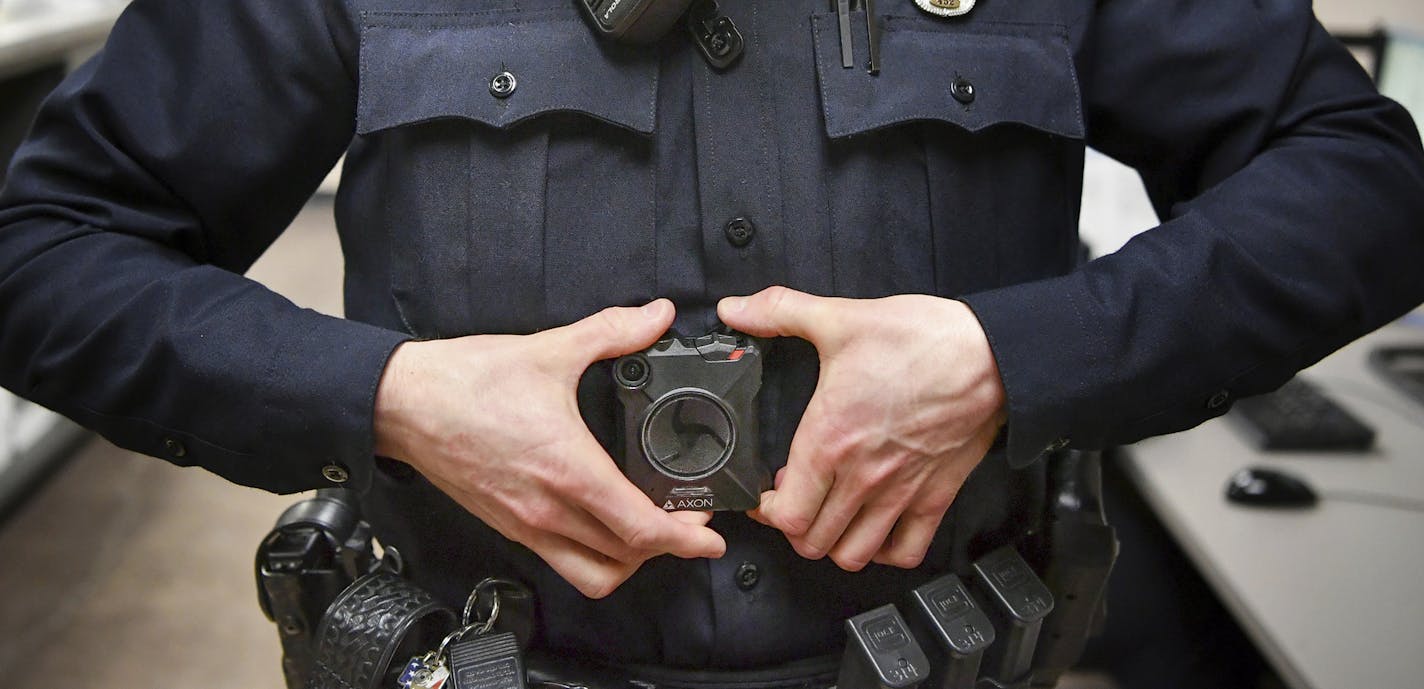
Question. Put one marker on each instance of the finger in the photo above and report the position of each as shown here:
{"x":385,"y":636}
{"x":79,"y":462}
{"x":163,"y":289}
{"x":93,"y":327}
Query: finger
{"x":593,"y":574}
{"x":694,"y":518}
{"x":841,"y":506}
{"x":613,"y":332}
{"x":755,"y":513}
{"x":910,"y":540}
{"x":632,"y":517}
{"x":548,"y":515}
{"x":582,"y":527}
{"x":779,"y":311}
{"x":916,"y":528}
{"x":865,"y":536}
{"x":801,"y":486}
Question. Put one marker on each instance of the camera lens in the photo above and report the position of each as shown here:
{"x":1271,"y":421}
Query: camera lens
{"x":688,"y":434}
{"x":632,"y":371}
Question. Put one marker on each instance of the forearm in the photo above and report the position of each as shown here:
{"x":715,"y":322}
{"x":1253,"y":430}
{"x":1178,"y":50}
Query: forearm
{"x":1294,"y":228}
{"x":183,"y":361}
{"x":129,"y":214}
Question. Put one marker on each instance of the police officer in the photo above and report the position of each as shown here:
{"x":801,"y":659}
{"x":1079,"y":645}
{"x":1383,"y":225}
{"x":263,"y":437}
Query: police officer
{"x":522,"y":201}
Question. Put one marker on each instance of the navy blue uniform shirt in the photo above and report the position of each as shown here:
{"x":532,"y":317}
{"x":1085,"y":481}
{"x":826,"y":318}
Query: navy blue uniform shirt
{"x":1292,"y":199}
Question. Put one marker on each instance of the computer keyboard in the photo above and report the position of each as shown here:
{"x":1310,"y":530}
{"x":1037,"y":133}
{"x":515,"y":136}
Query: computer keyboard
{"x":1300,"y":416}
{"x":1403,"y":367}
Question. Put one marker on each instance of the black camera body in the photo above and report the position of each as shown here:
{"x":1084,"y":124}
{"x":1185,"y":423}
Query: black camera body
{"x":690,"y":431}
{"x":634,"y":21}
{"x":646,"y":21}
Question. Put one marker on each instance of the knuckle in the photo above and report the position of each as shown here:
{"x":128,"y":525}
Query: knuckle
{"x":937,"y":506}
{"x":875,"y":474}
{"x":609,"y":321}
{"x":519,"y":533}
{"x":561,"y":482}
{"x":775,"y":295}
{"x":795,"y":525}
{"x":601,"y":329}
{"x":819,"y":465}
{"x":640,"y":537}
{"x":815,"y":549}
{"x":778,"y":300}
{"x":628,"y":554}
{"x":807,"y":551}
{"x":840,"y":436}
{"x":932,"y":506}
{"x":599,"y":586}
{"x":537,"y":514}
{"x":850,"y":562}
{"x":905,"y":560}
{"x":875,"y":479}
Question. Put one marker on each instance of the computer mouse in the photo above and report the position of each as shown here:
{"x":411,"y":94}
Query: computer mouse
{"x":1265,"y":487}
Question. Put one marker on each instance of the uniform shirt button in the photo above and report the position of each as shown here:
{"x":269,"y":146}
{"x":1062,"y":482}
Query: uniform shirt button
{"x":1221,"y":397}
{"x":962,"y":90}
{"x":336,"y":473}
{"x":748,"y":574}
{"x":740,"y":231}
{"x":174,"y":448}
{"x":502,"y":85}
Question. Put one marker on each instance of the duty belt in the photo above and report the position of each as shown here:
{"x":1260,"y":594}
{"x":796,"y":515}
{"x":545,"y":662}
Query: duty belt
{"x":547,"y":670}
{"x":1002,"y":625}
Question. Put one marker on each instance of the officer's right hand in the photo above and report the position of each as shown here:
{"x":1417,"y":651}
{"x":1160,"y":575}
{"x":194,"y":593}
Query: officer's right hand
{"x":493,"y":421}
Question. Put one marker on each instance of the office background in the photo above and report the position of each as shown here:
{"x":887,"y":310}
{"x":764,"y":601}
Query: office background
{"x":123,"y":571}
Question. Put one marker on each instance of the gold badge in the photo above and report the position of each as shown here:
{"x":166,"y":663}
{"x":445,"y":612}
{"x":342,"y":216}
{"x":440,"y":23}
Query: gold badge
{"x":946,"y":8}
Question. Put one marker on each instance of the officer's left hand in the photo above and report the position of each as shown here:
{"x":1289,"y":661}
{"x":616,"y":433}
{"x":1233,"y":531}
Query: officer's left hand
{"x":909,"y":400}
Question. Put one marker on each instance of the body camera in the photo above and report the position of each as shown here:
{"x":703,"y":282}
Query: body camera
{"x":690,"y":437}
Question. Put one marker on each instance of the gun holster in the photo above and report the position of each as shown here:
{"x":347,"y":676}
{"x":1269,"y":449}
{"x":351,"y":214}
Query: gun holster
{"x":1080,"y":549}
{"x":316,"y":550}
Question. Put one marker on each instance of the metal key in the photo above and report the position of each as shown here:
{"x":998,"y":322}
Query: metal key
{"x":432,"y":670}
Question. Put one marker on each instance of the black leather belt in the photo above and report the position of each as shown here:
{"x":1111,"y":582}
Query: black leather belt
{"x":549,"y":670}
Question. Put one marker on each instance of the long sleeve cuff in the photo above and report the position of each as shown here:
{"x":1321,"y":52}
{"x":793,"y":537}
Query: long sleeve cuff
{"x":1031,"y":328}
{"x":321,"y":395}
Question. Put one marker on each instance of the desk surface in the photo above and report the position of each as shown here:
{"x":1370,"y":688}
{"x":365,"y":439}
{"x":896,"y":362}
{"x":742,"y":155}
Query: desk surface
{"x":1333,"y":595}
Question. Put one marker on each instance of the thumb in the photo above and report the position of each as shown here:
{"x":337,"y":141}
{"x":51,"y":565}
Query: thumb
{"x":694,"y":518}
{"x":617,"y":330}
{"x":777,"y":311}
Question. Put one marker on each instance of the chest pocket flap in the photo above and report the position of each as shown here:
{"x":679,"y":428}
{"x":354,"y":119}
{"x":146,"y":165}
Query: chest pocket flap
{"x":940,"y":71}
{"x":422,"y":67}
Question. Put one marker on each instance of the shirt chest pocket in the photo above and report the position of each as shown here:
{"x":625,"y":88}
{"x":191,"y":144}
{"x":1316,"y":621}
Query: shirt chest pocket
{"x":964,"y":152}
{"x":514,"y":162}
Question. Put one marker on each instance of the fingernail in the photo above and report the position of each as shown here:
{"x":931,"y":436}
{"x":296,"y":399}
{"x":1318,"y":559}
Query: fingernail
{"x":764,"y":504}
{"x":654,"y":309}
{"x":734,"y":304}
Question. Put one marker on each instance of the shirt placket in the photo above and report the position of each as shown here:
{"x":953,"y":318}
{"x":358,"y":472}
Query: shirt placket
{"x":737,"y":167}
{"x":738,"y":186}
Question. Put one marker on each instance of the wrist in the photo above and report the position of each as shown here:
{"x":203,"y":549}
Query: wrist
{"x":987,"y":383}
{"x":389,"y":421}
